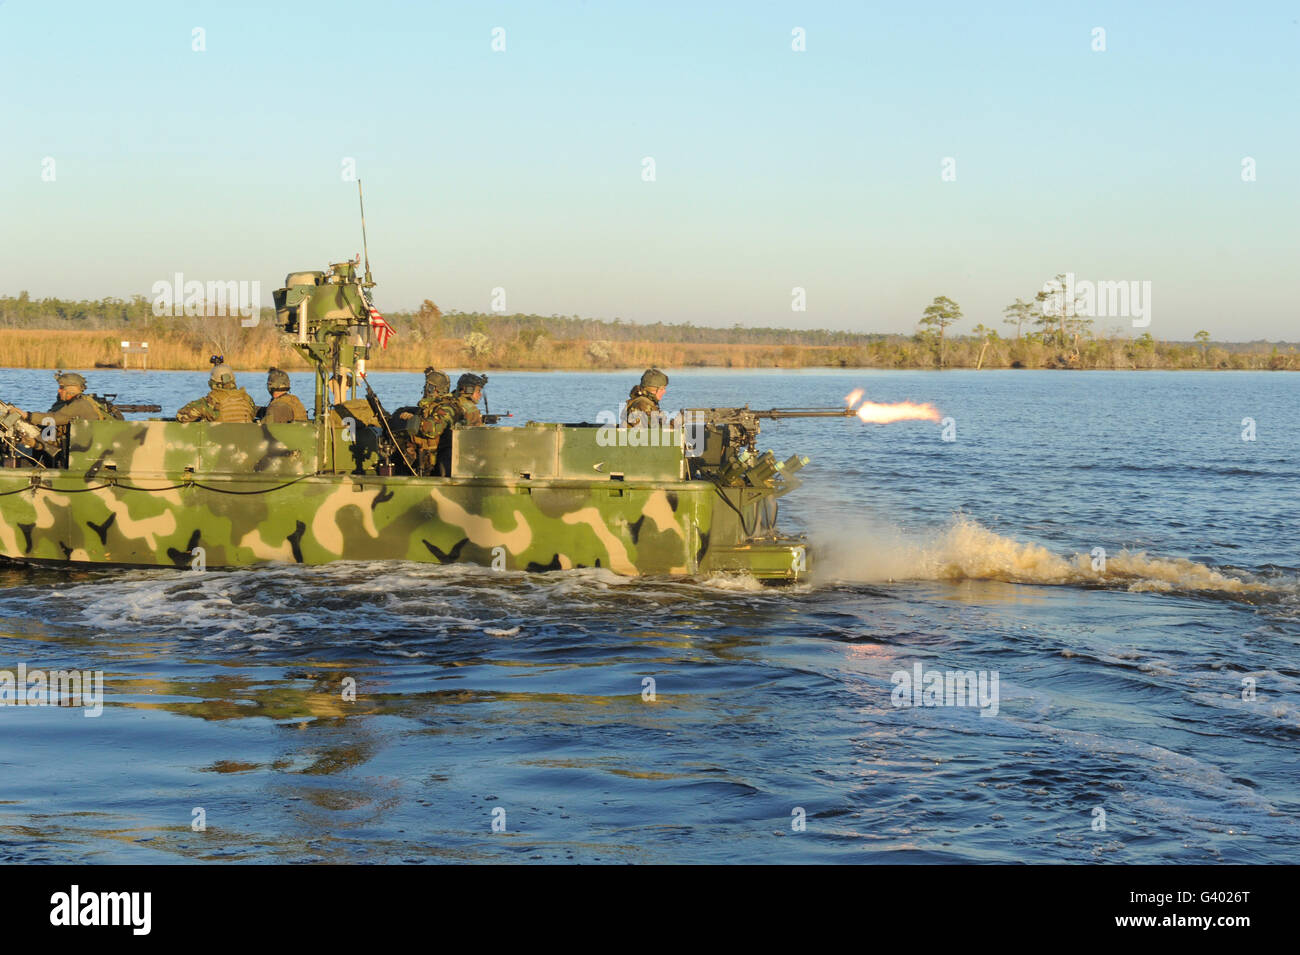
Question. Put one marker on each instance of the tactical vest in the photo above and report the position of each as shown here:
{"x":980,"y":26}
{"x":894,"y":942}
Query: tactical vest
{"x":85,"y":406}
{"x":437,"y":413}
{"x":288,"y":402}
{"x":641,"y":403}
{"x":231,"y":404}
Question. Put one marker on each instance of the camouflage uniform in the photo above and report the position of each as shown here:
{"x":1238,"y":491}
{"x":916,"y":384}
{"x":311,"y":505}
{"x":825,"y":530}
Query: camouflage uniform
{"x":435,"y":383}
{"x":283,"y":407}
{"x":641,"y":402}
{"x":224,"y":402}
{"x":467,"y":412}
{"x":78,"y":405}
{"x":439,"y":413}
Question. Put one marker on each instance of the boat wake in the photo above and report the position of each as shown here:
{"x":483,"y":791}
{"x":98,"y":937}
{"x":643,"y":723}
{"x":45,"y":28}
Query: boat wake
{"x":967,"y":550}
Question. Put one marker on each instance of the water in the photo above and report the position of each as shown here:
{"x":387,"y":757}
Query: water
{"x":1119,"y":691}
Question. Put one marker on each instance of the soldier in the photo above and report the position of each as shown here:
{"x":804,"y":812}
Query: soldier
{"x":643,"y":401}
{"x":73,"y":402}
{"x":436,"y":384}
{"x":439,"y":412}
{"x":469,"y":392}
{"x":283,"y":407}
{"x":226,"y":401}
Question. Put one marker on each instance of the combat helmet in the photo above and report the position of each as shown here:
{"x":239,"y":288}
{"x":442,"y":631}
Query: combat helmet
{"x":70,"y":379}
{"x":435,"y":382}
{"x":654,"y":378}
{"x":221,"y":377}
{"x":467,"y":382}
{"x":276,"y":380}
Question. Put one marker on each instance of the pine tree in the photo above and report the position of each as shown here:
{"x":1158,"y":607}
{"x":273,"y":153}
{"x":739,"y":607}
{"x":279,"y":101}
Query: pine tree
{"x":941,"y":313}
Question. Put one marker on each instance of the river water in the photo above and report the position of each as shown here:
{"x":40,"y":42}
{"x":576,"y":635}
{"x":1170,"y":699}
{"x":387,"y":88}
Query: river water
{"x":1146,"y":705}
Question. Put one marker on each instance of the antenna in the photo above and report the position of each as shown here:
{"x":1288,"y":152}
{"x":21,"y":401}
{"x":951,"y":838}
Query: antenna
{"x":369,"y":281}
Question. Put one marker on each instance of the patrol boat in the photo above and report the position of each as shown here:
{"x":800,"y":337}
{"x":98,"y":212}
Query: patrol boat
{"x":692,"y":497}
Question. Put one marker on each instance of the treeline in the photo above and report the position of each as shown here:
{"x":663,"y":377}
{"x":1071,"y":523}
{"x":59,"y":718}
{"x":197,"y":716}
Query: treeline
{"x":59,"y":313}
{"x":53,"y":333}
{"x":428,"y":323}
{"x":1032,"y":351}
{"x":1055,"y":329}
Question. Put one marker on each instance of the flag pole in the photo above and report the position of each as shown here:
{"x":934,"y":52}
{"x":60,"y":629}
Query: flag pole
{"x":365,"y":299}
{"x":362,"y":199}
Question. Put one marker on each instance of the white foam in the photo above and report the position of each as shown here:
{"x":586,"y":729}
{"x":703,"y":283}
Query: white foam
{"x":876,"y":551}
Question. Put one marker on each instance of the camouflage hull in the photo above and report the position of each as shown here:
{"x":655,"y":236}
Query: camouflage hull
{"x":241,"y":521}
{"x":222,"y":496}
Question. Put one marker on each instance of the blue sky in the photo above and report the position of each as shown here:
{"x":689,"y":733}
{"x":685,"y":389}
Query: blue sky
{"x":774,"y":169}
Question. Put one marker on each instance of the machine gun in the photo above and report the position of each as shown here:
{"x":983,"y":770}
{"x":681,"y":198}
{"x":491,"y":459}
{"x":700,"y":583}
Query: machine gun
{"x":115,"y":405}
{"x":722,"y":445}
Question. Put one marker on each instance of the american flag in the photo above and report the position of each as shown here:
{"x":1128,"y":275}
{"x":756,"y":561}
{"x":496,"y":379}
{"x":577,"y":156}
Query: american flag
{"x":383,"y":331}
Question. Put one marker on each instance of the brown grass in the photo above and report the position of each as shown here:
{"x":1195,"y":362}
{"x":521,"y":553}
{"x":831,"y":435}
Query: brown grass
{"x":260,"y":348}
{"x":33,"y":348}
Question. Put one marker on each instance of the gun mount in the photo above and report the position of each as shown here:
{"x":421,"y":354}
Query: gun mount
{"x":16,"y":432}
{"x":325,"y":314}
{"x":723,"y":446}
{"x":20,"y":440}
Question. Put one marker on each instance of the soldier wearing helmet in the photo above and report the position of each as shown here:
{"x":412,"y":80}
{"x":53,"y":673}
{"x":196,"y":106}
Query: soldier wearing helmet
{"x":436,"y":387}
{"x":225,"y":401}
{"x":425,"y":423}
{"x":72,"y":403}
{"x":643,"y":402}
{"x":439,"y":412}
{"x":435,"y":382}
{"x":283,"y":407}
{"x":469,"y":392}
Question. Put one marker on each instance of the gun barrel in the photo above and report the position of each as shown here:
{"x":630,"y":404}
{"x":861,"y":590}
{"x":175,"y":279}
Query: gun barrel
{"x":137,"y":409}
{"x":775,"y":413}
